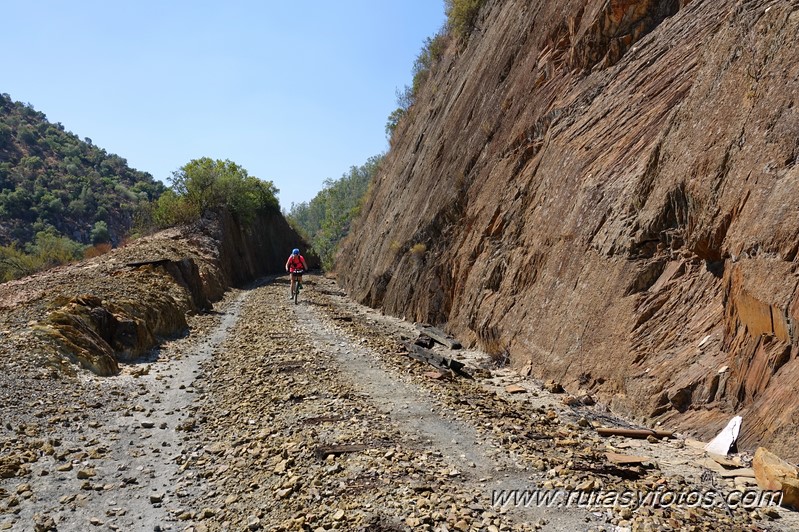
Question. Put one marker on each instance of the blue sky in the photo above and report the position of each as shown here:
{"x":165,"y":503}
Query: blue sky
{"x":295,"y":92}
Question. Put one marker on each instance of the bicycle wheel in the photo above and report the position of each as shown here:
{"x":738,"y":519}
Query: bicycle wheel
{"x":297,"y":293}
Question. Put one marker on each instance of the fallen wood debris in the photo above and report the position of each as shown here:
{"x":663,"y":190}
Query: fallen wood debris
{"x":424,"y":341}
{"x":322,"y":419}
{"x":437,"y":361}
{"x":634,"y":433}
{"x":323,"y":451}
{"x":626,"y":459}
{"x":625,"y":471}
{"x":439,"y":336}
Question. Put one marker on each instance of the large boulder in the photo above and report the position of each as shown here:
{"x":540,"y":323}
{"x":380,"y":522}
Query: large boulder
{"x":774,"y":473}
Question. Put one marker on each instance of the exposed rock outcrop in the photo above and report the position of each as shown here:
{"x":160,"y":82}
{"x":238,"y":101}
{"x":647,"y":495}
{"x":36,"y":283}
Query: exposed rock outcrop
{"x":117,"y":307}
{"x":607,"y":191}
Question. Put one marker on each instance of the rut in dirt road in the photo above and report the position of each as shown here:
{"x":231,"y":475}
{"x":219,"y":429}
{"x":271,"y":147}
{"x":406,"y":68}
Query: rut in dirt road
{"x":113,"y":450}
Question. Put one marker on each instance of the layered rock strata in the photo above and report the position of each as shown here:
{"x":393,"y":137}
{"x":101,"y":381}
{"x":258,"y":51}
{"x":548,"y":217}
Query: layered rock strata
{"x":607,"y":191}
{"x":117,"y":307}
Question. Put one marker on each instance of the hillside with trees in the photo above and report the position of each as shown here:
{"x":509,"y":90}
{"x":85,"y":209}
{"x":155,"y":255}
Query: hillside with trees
{"x":54,"y":184}
{"x":326,"y":219}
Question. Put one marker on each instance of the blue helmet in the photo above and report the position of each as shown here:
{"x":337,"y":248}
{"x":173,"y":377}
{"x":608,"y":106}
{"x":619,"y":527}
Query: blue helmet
{"x":295,"y":251}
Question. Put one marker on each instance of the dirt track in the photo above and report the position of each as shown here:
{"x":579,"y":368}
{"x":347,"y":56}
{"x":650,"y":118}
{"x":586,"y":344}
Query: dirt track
{"x":277,"y":416}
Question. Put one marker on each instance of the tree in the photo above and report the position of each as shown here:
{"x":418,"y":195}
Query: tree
{"x":326,"y":218}
{"x":204,"y":185}
{"x":100,"y":234}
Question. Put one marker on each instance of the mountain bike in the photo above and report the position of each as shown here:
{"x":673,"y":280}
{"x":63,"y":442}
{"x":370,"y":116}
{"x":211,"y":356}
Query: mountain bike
{"x":295,"y":295}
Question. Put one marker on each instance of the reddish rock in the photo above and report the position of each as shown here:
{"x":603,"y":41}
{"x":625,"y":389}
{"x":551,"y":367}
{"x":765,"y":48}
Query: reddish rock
{"x":599,"y":187}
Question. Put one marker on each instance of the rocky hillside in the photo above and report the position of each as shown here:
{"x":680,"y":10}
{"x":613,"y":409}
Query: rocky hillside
{"x":607,"y":191}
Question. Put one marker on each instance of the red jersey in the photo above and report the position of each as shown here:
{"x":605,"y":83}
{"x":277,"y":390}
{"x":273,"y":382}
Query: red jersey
{"x":296,"y":263}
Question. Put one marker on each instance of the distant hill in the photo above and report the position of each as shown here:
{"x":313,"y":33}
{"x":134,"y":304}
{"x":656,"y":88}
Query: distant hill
{"x":51,"y":180}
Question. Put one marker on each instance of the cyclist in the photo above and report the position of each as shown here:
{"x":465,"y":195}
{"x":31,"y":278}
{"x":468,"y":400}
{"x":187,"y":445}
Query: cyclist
{"x":295,"y":266}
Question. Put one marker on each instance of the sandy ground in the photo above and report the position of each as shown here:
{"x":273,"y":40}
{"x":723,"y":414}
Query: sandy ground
{"x":276,"y":416}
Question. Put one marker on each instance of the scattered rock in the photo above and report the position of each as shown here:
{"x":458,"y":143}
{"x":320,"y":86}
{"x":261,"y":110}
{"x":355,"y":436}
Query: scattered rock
{"x":553,"y":387}
{"x":84,"y":474}
{"x":253,"y":523}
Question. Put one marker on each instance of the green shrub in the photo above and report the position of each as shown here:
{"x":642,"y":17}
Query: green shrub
{"x":417,"y":250}
{"x":171,"y":209}
{"x":15,"y":263}
{"x":48,"y":249}
{"x":462,"y":16}
{"x":432,"y":51}
{"x":100,"y":234}
{"x":51,"y":249}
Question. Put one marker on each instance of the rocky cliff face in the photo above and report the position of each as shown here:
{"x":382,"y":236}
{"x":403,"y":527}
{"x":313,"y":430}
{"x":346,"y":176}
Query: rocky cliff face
{"x":607,"y":190}
{"x":117,"y":307}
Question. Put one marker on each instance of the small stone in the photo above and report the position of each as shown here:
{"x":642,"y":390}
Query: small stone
{"x":157,"y":497}
{"x":339,"y":515}
{"x":253,"y":523}
{"x":553,"y":387}
{"x":95,"y":521}
{"x":147,"y":424}
{"x":83,"y":474}
{"x":42,"y":523}
{"x":570,"y":400}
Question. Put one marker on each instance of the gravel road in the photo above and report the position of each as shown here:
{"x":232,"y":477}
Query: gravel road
{"x":275,"y":416}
